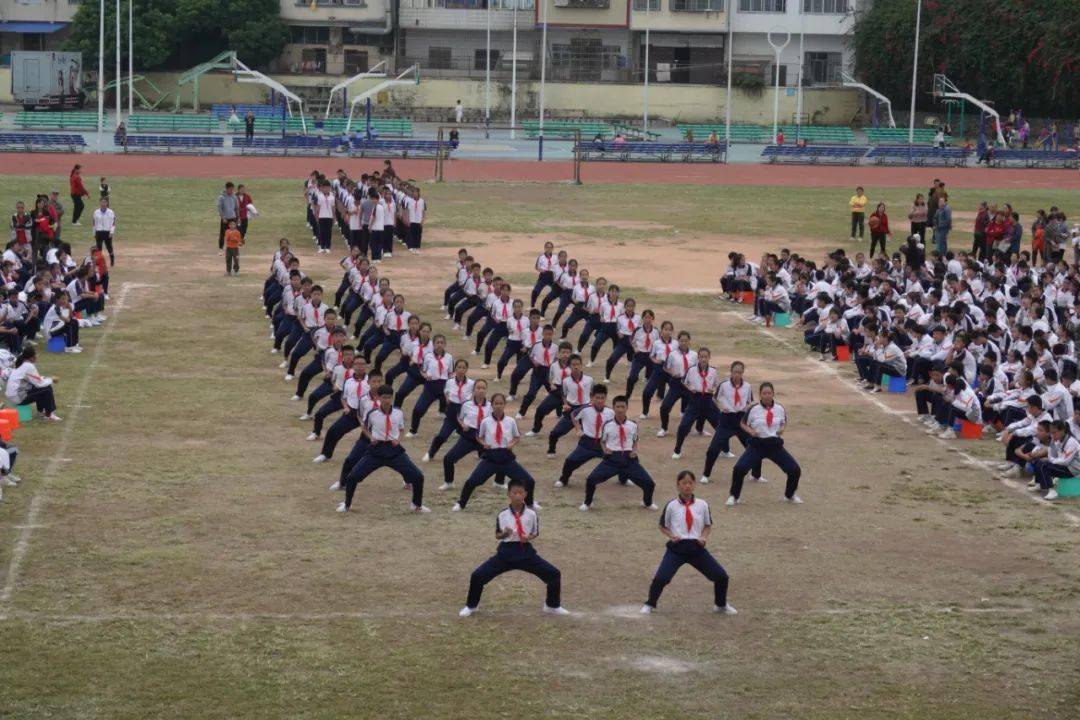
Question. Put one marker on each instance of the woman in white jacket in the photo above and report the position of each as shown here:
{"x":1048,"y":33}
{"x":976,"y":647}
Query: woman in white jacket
{"x":25,"y":385}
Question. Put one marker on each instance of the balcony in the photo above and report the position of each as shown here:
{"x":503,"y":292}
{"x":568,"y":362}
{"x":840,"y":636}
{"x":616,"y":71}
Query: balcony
{"x":466,"y":14}
{"x":339,"y":11}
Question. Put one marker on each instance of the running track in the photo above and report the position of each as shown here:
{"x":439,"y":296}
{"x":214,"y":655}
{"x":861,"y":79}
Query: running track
{"x":529,"y":171}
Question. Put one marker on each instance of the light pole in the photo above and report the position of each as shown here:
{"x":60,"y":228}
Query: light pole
{"x":487,"y":68}
{"x":543,"y":63}
{"x":101,"y":74}
{"x":914,"y":72}
{"x":802,"y":65}
{"x":645,"y":88}
{"x":513,"y":75}
{"x":131,"y":62}
{"x":119,"y":78}
{"x":779,"y":48}
{"x":727,"y":104}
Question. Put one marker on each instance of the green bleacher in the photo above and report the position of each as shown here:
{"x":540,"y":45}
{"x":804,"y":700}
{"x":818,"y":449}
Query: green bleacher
{"x":760,"y":133}
{"x":566,"y":129}
{"x":384,"y":127}
{"x":64,"y":120}
{"x":898,"y":136}
{"x":632,"y":132}
{"x":172,"y":123}
{"x":264,"y":125}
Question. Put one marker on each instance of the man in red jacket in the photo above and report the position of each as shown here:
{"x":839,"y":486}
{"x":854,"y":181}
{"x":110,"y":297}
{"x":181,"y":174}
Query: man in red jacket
{"x":244,"y":200}
{"x":979,"y":246}
{"x":78,"y":192}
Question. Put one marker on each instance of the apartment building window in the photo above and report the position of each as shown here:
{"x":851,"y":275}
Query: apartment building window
{"x":303,"y":35}
{"x":763,"y":6}
{"x":823,"y":67}
{"x":697,"y":5}
{"x":583,"y":59}
{"x":827,"y":7}
{"x":480,"y":59}
{"x":356,"y":61}
{"x":643,"y":5}
{"x":772,"y":74}
{"x":439,"y":58}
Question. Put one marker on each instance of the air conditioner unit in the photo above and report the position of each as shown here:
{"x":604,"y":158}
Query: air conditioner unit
{"x":589,"y":4}
{"x":562,"y":3}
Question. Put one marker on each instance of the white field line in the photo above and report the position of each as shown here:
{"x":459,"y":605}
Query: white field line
{"x":906,"y":416}
{"x":623,"y":612}
{"x":37,"y":502}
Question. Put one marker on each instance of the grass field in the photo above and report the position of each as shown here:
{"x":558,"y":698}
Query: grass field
{"x":182,"y":557}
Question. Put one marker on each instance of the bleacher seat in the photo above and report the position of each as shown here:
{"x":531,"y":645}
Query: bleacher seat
{"x":814,"y":154}
{"x":919,"y":155}
{"x":1035,"y":158}
{"x":660,"y":152}
{"x":383,"y":127}
{"x":399,"y":148}
{"x":41,"y":142}
{"x":166,"y":122}
{"x":193,"y":144}
{"x":223,"y":111}
{"x":288,"y":145}
{"x":896,"y":136}
{"x":569,"y":129}
{"x":63,"y":120}
{"x":816,"y":134}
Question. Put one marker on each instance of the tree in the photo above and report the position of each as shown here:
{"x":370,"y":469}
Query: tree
{"x":1014,"y":53}
{"x":178,"y":34}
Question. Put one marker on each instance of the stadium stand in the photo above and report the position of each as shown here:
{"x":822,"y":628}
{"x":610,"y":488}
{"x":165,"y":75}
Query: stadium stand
{"x":1035,"y":158}
{"x":63,"y":120}
{"x":385,"y":127}
{"x":814,"y":154}
{"x":41,"y":142}
{"x":916,"y":155}
{"x":895,"y":136}
{"x":224,"y":111}
{"x":172,"y":123}
{"x":288,"y":145}
{"x":193,"y":144}
{"x":660,"y":152}
{"x":759,"y":133}
{"x":399,"y":148}
{"x":565,"y":129}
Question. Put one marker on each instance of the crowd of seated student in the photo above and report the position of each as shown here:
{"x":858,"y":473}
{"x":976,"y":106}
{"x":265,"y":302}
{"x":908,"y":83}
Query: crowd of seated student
{"x":989,"y":342}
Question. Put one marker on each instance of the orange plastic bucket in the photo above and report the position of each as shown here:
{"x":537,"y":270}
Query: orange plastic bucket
{"x":12,"y":416}
{"x":843,"y":353}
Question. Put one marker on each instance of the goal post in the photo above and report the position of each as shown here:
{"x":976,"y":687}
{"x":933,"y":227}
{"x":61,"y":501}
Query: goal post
{"x":561,"y":148}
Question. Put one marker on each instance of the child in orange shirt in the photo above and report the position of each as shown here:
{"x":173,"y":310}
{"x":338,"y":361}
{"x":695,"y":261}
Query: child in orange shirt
{"x":1038,"y":243}
{"x":233,"y":241}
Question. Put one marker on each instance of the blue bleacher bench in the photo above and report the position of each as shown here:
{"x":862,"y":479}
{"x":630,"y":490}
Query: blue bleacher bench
{"x":398,"y":148}
{"x":223,"y":111}
{"x":288,"y":145}
{"x":1034,"y":158}
{"x":814,"y":154}
{"x":192,"y":144}
{"x":41,"y":142}
{"x":919,"y":155}
{"x":659,"y":152}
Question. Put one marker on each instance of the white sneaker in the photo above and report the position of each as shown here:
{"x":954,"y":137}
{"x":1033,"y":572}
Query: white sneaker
{"x":605,"y":381}
{"x":445,"y":486}
{"x":474,"y":353}
{"x":588,"y":364}
{"x":485,"y":366}
{"x":1033,"y":486}
{"x":732,"y":501}
{"x":426,"y":458}
{"x":509,"y":398}
{"x":305,"y":416}
{"x":419,"y":508}
{"x":312,"y":437}
{"x":466,"y":611}
{"x":1013,"y":471}
{"x":284,"y":364}
{"x":676,"y":455}
{"x":646,"y":610}
{"x":794,"y":500}
{"x":728,"y":609}
{"x":342,"y":508}
{"x":410,"y":434}
{"x":53,"y":418}
{"x":530,"y":434}
{"x":704,"y":479}
{"x":456,"y":326}
{"x":550,"y":456}
{"x":537,"y":506}
{"x":296,"y":398}
{"x":519,"y":416}
{"x":456,"y":508}
{"x":8,"y":482}
{"x":704,"y":433}
{"x":319,"y":459}
{"x":583,"y":508}
{"x":14,"y":478}
{"x":288,"y":377}
{"x":1052,"y":495}
{"x":643,"y":416}
{"x":661,"y":433}
{"x":761,"y":479}
{"x":1004,"y":466}
{"x":556,"y":610}
{"x":274,"y":351}
{"x":559,"y":484}
{"x":336,"y":485}
{"x":651,"y":507}
{"x":949,"y":434}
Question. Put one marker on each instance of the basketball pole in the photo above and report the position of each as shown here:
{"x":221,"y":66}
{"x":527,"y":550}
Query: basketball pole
{"x":119,"y":77}
{"x":131,"y":62}
{"x":101,"y":75}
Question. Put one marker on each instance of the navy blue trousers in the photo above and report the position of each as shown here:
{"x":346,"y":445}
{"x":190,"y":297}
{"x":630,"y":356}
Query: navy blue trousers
{"x":766,"y":449}
{"x":625,"y":466}
{"x":380,"y":455}
{"x":493,"y":462}
{"x":689,"y":552}
{"x":516,"y":556}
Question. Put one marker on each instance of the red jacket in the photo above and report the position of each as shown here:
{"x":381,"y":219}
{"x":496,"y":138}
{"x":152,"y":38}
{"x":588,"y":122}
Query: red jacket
{"x":883,"y":225}
{"x":76,"y":184}
{"x":244,"y":201}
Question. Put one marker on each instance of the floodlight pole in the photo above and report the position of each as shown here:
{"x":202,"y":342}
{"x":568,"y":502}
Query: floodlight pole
{"x":645,"y":87}
{"x":131,"y":62}
{"x":779,"y":48}
{"x":727,"y":103}
{"x":513,"y":75}
{"x":119,"y":77}
{"x":101,"y":74}
{"x":487,"y":67}
{"x":543,"y":65}
{"x":914,"y":72}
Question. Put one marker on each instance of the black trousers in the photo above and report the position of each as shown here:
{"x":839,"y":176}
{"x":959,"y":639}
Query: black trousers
{"x":42,"y":397}
{"x":516,"y":556}
{"x":326,"y":228}
{"x":104,"y":238}
{"x":78,"y":205}
{"x":494,"y":462}
{"x":380,"y":455}
{"x":693,"y":553}
{"x":625,"y":467}
{"x":857,"y":219}
{"x":766,"y":449}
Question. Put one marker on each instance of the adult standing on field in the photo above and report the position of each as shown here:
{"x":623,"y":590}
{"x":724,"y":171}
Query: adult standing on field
{"x":78,"y":192}
{"x":228,"y":207}
{"x":857,"y":203}
{"x":879,"y":229}
{"x":459,"y":112}
{"x":942,"y":223}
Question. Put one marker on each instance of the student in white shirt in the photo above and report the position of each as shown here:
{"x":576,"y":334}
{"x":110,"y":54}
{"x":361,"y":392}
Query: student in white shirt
{"x":324,"y":339}
{"x":105,"y":228}
{"x":359,"y":396}
{"x":733,"y":397}
{"x":678,"y":363}
{"x":25,"y":385}
{"x":607,"y":323}
{"x":351,"y":366}
{"x":472,"y":414}
{"x":618,"y":443}
{"x":656,"y":380}
{"x":626,"y":326}
{"x":699,"y":387}
{"x":354,"y":391}
{"x":418,"y":350}
{"x":577,"y":391}
{"x":60,"y":320}
{"x":497,"y":436}
{"x":457,"y":391}
{"x":765,"y":423}
{"x":1062,"y":460}
{"x":383,"y":426}
{"x":644,"y":336}
{"x":324,"y":213}
{"x":417,"y":207}
{"x":589,"y":422}
{"x":553,"y":402}
{"x":436,"y":369}
{"x":515,"y":528}
{"x":686,"y":522}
